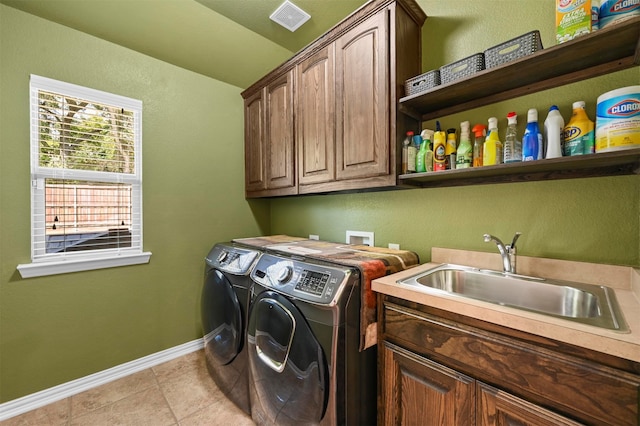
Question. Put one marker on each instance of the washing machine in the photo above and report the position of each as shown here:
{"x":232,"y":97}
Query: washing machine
{"x":303,"y":345}
{"x":224,"y":309}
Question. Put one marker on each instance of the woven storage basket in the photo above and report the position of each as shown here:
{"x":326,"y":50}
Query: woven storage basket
{"x":462,"y":68}
{"x":422,"y":83}
{"x":511,"y":50}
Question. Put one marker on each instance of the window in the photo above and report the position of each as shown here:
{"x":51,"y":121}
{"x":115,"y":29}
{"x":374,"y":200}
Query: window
{"x":86,"y":179}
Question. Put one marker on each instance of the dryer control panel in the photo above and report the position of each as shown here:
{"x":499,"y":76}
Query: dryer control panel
{"x":228,"y":258}
{"x":310,"y":281}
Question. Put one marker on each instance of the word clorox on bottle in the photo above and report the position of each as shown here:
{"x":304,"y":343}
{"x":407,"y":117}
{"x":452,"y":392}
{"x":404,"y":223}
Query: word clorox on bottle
{"x":618,"y":120}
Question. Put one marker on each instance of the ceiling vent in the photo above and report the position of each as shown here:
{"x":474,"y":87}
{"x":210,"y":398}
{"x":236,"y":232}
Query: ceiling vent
{"x":290,"y":16}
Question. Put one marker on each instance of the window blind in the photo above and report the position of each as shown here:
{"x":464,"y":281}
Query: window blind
{"x":86,"y":172}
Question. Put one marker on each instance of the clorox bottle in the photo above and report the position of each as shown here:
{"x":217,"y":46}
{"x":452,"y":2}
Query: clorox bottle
{"x":578,"y":134}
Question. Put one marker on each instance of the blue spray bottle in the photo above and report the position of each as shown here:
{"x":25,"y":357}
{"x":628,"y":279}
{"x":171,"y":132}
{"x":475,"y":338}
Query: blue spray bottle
{"x":532,"y":139}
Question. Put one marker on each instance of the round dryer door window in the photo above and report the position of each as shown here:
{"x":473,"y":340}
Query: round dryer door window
{"x":289,"y":375}
{"x":221,"y":318}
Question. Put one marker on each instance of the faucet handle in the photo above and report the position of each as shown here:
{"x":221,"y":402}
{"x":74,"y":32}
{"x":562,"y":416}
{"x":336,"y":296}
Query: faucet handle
{"x":513,"y":242}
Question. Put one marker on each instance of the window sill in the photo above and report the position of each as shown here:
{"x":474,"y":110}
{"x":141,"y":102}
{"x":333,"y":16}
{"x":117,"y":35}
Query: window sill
{"x":40,"y":269}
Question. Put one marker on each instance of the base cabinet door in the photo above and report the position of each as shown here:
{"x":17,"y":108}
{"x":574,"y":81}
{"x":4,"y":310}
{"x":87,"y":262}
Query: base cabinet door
{"x":499,"y":408}
{"x":418,"y":391}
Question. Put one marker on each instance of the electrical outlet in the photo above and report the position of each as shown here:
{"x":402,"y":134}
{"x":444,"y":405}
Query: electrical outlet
{"x":394,"y":246}
{"x":314,"y":237}
{"x":360,"y":237}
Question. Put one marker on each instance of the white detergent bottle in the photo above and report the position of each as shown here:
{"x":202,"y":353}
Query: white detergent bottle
{"x":553,"y":127}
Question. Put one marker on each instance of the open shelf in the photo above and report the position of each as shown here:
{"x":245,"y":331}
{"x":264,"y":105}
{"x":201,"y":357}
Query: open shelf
{"x":616,"y":163}
{"x":611,"y":49}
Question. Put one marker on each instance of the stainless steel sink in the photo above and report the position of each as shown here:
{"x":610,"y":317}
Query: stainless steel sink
{"x":585,"y":303}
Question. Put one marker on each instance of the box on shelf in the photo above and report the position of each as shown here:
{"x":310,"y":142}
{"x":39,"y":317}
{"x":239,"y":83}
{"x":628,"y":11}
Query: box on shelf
{"x":422,"y":83}
{"x":462,"y":68}
{"x":573,"y":19}
{"x":513,"y":49}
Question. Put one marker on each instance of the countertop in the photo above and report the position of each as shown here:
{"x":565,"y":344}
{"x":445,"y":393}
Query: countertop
{"x":624,"y":280}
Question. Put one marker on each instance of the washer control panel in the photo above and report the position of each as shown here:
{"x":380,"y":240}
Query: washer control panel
{"x":313,"y":282}
{"x":228,"y":258}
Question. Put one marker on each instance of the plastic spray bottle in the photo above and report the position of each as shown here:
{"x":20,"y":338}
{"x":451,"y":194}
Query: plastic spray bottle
{"x":464,"y":157}
{"x":579,"y":135}
{"x":451,"y":148}
{"x":411,"y":152}
{"x":439,"y":149}
{"x":427,"y":136}
{"x":492,"y":151}
{"x":553,"y":128}
{"x":512,"y":146}
{"x":420,"y":157}
{"x":479,"y":132}
{"x":532,"y":139}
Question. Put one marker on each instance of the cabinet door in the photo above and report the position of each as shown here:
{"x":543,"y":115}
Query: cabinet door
{"x":279,"y":133}
{"x":418,"y":391}
{"x":362,"y":107}
{"x":315,"y":118}
{"x":499,"y":408}
{"x":254,"y":154}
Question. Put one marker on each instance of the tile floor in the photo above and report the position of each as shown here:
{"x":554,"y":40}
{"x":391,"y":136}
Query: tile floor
{"x":178,"y":392}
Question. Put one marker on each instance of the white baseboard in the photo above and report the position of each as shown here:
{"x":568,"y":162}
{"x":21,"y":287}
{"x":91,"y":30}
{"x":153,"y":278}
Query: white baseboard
{"x":39,"y":399}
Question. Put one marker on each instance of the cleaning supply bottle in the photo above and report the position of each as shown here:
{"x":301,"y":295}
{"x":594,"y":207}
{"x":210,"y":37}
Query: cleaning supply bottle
{"x":450,"y":150}
{"x":417,"y":141}
{"x":439,"y":149}
{"x":532,"y":139}
{"x":405,"y":153}
{"x":427,"y":136}
{"x":579,"y":135}
{"x":411,"y":152}
{"x":512,"y":146}
{"x":464,"y":156}
{"x":420,"y":157}
{"x":479,"y":132}
{"x":553,"y":128}
{"x":492,"y":150}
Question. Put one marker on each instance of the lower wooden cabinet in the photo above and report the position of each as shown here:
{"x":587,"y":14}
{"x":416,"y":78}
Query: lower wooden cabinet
{"x":421,"y":392}
{"x":441,"y":368}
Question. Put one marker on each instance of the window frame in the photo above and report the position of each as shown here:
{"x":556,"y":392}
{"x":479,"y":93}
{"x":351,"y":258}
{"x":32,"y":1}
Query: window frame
{"x":43,"y":263}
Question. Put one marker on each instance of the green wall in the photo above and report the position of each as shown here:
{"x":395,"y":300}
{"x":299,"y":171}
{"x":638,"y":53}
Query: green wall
{"x":59,"y":328}
{"x":594,"y":220}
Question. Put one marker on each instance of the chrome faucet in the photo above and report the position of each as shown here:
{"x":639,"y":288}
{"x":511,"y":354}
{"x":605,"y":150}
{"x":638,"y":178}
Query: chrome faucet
{"x":508,"y":252}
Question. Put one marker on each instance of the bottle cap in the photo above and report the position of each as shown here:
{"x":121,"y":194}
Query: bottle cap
{"x":579,"y":104}
{"x":409,"y":133}
{"x":427,"y":134}
{"x":479,"y":130}
{"x":464,"y":127}
{"x":532,"y":115}
{"x":512,"y":118}
{"x":451,"y":131}
{"x":493,"y":123}
{"x":554,"y":107}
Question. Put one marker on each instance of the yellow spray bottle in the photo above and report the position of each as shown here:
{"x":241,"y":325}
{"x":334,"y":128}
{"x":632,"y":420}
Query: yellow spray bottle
{"x":439,"y":149}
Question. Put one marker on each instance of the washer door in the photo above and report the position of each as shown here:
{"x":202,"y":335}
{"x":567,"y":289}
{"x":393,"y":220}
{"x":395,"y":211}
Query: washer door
{"x":289,"y":374}
{"x":221,"y":318}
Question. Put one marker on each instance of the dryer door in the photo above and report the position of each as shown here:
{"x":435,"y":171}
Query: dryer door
{"x":289,"y":375}
{"x":221,"y":318}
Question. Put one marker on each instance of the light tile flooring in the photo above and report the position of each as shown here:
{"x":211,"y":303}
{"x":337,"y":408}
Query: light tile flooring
{"x":178,"y":392}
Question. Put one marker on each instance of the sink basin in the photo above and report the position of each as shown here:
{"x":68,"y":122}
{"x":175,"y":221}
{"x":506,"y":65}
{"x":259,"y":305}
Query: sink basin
{"x":585,"y":303}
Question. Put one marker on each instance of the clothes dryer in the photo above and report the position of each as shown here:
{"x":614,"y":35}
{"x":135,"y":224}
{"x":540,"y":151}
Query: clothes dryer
{"x":303,"y":345}
{"x":224,"y":310}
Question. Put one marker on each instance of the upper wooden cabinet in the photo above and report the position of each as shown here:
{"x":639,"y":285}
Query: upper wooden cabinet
{"x":269,"y":151}
{"x":342,"y":92}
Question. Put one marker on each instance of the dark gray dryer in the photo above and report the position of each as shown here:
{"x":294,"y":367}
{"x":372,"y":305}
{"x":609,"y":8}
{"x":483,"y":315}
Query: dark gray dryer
{"x":303,"y":345}
{"x":224,"y":310}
